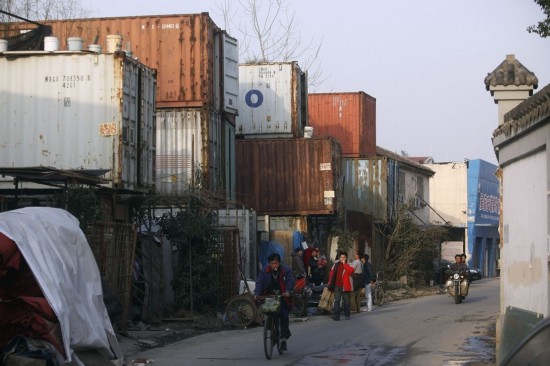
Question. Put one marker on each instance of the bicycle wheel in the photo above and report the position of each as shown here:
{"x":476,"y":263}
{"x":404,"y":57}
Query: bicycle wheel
{"x":240,"y":312}
{"x":268,"y":336}
{"x":301,"y":304}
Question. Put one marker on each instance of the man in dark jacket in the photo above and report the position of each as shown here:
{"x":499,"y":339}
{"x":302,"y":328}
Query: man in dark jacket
{"x":298,"y":268}
{"x":368,"y":280}
{"x":277,"y":279}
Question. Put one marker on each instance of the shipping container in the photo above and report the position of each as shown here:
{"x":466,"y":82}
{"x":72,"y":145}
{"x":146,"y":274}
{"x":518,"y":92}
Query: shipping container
{"x":366,"y":186}
{"x":273,"y":100}
{"x":348,"y":117}
{"x":79,"y":110}
{"x":194,"y":145}
{"x":195,"y":60}
{"x":289,"y":176}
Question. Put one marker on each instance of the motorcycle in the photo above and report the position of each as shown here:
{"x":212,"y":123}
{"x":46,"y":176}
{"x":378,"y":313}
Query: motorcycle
{"x":457,"y":285}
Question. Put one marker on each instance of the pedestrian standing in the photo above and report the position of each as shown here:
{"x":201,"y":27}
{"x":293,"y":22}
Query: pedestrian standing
{"x":368,"y":279}
{"x":357,"y":282}
{"x":298,"y":269}
{"x":340,"y":283}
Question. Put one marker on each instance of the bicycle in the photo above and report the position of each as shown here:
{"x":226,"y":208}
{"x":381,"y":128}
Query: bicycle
{"x":270,"y":308}
{"x":378,"y":289}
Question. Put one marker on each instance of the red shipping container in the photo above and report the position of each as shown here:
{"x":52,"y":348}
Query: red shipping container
{"x":350,"y":118}
{"x":289,"y":176}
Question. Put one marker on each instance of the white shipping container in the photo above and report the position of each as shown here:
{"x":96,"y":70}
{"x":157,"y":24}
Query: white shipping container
{"x":272,"y":100}
{"x":189,"y":149}
{"x":79,"y":111}
{"x":231,"y":74}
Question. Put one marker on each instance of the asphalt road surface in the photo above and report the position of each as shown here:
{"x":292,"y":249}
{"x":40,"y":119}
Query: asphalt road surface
{"x":430,"y":330}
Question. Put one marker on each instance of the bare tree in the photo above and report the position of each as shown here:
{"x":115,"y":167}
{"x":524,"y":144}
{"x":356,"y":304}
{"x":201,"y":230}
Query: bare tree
{"x":269,"y":31}
{"x":410,"y":248}
{"x":42,"y":9}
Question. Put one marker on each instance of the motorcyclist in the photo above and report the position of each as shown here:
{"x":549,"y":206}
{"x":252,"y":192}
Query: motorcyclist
{"x":460,"y":266}
{"x":277,"y":279}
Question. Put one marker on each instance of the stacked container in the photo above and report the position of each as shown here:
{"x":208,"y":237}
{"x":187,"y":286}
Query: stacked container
{"x":82,"y":111}
{"x":348,"y":117}
{"x":197,"y":100}
{"x":289,"y":176}
{"x":273,"y":101}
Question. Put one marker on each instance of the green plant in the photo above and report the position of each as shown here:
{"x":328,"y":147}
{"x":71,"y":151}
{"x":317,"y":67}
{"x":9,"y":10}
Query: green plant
{"x":83,"y":203}
{"x":196,"y":278}
{"x":346,"y":239}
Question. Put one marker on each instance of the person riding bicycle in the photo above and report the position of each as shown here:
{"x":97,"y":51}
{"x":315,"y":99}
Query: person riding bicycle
{"x":277,"y":279}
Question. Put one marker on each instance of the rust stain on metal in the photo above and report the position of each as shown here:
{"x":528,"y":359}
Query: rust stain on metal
{"x":348,"y":117}
{"x":272,"y":180}
{"x":178,"y":46}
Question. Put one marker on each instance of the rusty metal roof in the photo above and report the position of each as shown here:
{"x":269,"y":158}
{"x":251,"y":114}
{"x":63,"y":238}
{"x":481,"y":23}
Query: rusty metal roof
{"x":511,"y":72}
{"x":403,"y":159}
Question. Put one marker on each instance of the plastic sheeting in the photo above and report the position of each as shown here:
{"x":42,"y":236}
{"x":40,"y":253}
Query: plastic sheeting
{"x":268,"y":247}
{"x":60,"y":258}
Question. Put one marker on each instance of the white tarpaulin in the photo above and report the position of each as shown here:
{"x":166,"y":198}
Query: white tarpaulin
{"x":60,"y":258}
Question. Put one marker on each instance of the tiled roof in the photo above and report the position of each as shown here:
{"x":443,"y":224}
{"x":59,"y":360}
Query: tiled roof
{"x":511,"y":72}
{"x":531,"y":111}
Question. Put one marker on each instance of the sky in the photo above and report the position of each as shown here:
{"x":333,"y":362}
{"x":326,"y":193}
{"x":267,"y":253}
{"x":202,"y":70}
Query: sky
{"x":424,"y":61}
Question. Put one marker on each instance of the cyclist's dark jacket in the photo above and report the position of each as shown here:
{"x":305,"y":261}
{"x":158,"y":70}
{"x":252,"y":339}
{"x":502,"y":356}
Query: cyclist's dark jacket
{"x":266,"y":284}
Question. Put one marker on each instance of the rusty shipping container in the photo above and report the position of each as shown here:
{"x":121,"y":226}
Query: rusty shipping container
{"x":79,"y":111}
{"x":197,"y":62}
{"x":273,"y":100}
{"x":289,"y":176}
{"x":366,"y":186}
{"x":194,"y":144}
{"x":348,"y":117}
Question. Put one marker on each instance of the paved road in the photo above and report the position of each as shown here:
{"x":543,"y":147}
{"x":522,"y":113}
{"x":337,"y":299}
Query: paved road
{"x":431,"y":330}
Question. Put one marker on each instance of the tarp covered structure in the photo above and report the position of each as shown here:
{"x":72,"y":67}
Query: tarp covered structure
{"x":57,"y":253}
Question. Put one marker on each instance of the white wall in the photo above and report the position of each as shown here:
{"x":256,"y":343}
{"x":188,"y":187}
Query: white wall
{"x":448,"y":193}
{"x":524,"y":258}
{"x":421,"y":211}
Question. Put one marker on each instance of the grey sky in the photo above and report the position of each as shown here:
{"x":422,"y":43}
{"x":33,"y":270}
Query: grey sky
{"x":424,"y":61}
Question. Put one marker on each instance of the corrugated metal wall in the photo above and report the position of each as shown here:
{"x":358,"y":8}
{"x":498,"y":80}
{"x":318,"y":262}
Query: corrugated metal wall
{"x":88,"y":112}
{"x":366,"y":186}
{"x":289,"y":176}
{"x":189,"y":143}
{"x":348,"y":117}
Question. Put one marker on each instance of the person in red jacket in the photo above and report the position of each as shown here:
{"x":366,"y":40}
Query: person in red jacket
{"x":340,"y":283}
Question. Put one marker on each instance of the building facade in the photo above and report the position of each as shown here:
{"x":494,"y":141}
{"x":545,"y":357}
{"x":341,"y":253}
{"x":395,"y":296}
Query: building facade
{"x":464,"y":196}
{"x":521,"y":144}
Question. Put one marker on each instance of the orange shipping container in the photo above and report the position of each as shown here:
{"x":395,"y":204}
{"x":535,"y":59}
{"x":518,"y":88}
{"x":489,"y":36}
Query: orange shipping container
{"x":348,"y":117}
{"x":289,"y":176}
{"x":189,"y":52}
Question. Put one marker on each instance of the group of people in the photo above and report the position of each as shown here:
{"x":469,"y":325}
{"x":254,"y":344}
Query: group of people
{"x":345,"y":279}
{"x":308,"y":263}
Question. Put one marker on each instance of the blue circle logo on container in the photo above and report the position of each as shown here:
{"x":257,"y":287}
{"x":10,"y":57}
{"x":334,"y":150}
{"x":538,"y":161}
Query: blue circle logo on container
{"x":254,"y":98}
